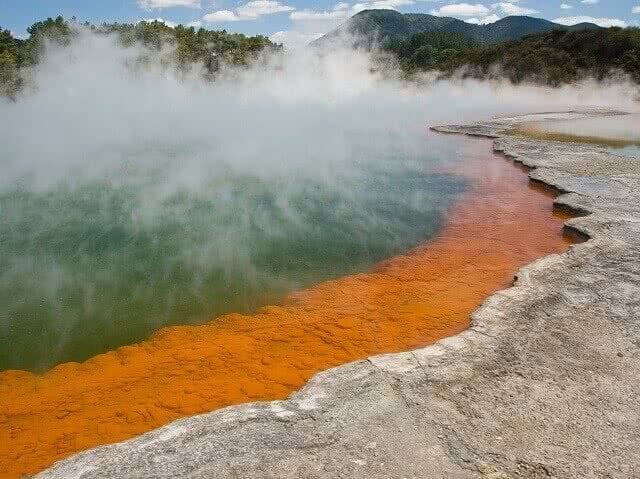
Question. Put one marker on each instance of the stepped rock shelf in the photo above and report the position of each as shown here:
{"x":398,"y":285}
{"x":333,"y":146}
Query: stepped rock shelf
{"x":544,"y":383}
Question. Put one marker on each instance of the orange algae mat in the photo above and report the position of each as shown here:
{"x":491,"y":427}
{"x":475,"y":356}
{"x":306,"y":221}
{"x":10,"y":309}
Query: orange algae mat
{"x":500,"y":224}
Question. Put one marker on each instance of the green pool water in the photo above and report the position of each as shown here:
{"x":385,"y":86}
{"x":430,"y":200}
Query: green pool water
{"x":631,"y":151}
{"x":90,"y":263}
{"x":618,"y":130}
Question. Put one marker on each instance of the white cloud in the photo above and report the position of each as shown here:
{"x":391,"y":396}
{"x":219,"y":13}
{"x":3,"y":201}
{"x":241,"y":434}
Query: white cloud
{"x":249,"y":11}
{"x":483,"y":20}
{"x":461,"y":10}
{"x":566,"y":6}
{"x":168,"y":23}
{"x":221,"y":16}
{"x":160,"y":4}
{"x":257,"y":8}
{"x":337,"y":12}
{"x":603,"y":22}
{"x":590,"y":2}
{"x":195,"y":24}
{"x":389,"y":4}
{"x":294,"y":39}
{"x":508,"y":8}
{"x":635,"y":9}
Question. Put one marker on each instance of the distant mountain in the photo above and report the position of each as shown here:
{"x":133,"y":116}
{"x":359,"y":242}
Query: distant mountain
{"x":370,"y":26}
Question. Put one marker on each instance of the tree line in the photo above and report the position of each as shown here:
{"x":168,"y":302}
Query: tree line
{"x":553,"y":58}
{"x":190,"y":45}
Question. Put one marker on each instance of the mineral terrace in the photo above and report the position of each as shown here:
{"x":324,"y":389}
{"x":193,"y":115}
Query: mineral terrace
{"x":544,"y":384}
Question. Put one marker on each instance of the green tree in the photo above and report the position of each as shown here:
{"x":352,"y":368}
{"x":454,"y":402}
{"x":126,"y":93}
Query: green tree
{"x":9,"y":63}
{"x":56,"y":31}
{"x":423,"y":57}
{"x":428,"y":50}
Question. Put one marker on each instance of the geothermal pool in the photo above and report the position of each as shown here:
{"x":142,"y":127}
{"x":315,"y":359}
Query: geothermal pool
{"x":455,"y":225}
{"x":630,"y":151}
{"x":621,"y":131}
{"x":88,"y":264}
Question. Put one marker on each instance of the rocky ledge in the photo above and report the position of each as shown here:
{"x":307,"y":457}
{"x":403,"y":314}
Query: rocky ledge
{"x":546,"y":383}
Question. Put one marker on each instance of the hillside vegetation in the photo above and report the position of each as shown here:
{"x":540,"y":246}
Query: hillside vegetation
{"x":190,"y":46}
{"x":429,"y":50}
{"x":519,"y":48}
{"x":555,"y":57}
{"x":370,"y":28}
{"x":552,"y":58}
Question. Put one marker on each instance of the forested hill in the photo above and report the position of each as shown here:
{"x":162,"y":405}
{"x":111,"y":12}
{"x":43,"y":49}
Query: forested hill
{"x":371,"y":26}
{"x":554,"y":58}
{"x":551,"y":58}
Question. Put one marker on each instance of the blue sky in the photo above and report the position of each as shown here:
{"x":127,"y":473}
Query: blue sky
{"x":295,"y":22}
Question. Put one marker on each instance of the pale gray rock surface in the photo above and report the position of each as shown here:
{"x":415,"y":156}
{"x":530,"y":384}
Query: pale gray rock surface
{"x":546,"y":383}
